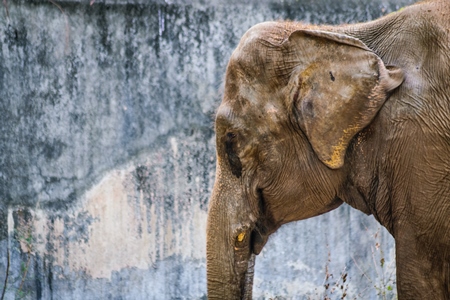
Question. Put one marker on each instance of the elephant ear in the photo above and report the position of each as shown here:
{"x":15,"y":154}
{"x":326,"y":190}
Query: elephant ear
{"x":337,"y":89}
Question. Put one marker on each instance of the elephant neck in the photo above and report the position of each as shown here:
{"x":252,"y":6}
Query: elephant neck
{"x":395,"y":37}
{"x":371,"y":181}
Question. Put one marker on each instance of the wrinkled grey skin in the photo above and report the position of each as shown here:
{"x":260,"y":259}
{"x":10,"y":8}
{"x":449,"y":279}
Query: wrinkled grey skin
{"x":315,"y":116}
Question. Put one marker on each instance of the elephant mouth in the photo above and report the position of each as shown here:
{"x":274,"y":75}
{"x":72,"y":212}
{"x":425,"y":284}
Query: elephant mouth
{"x":263,"y":227}
{"x":259,"y":239}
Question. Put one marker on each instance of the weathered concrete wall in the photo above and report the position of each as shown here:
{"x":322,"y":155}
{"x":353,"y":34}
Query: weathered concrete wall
{"x":107,"y":154}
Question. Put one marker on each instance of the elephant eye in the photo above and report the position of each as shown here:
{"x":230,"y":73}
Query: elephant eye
{"x":231,"y":135}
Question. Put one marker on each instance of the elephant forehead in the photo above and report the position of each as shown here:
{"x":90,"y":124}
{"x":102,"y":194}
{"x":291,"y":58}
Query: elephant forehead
{"x":259,"y":62}
{"x":246,"y":101}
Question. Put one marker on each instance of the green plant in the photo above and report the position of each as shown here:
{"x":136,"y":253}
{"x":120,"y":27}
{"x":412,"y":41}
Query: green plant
{"x":384,"y":283}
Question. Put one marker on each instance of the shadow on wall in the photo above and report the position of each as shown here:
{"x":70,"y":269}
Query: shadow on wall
{"x":107,"y":154}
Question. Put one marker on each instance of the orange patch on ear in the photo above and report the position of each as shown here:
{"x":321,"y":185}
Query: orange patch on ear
{"x":336,"y":161}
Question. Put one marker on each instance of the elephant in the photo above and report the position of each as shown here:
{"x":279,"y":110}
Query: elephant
{"x":313,"y":116}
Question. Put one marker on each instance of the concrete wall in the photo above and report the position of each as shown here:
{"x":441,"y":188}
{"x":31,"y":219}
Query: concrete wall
{"x":107,"y":154}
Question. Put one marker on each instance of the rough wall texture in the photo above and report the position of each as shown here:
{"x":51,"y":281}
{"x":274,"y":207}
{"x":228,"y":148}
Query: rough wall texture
{"x":107,"y":155}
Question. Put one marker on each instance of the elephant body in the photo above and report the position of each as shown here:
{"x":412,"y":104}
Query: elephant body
{"x":313,"y":116}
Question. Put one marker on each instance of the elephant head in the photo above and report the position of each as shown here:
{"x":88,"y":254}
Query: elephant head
{"x":294,"y":100}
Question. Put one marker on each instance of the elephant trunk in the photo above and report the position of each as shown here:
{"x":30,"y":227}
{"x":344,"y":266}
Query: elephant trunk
{"x":224,"y":282}
{"x":230,"y":267}
{"x":248,"y":285}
